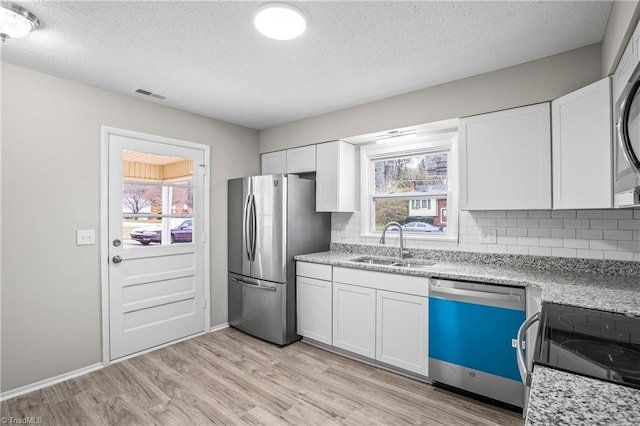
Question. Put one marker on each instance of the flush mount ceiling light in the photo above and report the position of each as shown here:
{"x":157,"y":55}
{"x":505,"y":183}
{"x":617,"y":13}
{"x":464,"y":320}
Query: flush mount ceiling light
{"x":279,"y":21}
{"x":16,"y":21}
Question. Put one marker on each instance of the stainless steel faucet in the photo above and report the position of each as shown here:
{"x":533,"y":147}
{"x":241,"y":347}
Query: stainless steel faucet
{"x":384,"y":232}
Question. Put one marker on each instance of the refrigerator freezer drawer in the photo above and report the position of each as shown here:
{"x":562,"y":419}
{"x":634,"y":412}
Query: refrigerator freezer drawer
{"x":258,"y":308}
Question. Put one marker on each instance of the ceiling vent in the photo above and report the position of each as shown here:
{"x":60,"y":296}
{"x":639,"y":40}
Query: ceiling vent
{"x":148,"y":93}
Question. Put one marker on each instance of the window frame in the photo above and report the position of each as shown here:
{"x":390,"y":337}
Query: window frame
{"x":422,"y":145}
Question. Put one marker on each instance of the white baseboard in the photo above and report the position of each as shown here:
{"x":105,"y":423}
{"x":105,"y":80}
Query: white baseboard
{"x":219,"y":327}
{"x":50,"y":381}
{"x":85,"y":370}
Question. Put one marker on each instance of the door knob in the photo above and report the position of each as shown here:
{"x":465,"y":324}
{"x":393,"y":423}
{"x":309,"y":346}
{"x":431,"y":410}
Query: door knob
{"x":116,"y":259}
{"x":117,"y":242}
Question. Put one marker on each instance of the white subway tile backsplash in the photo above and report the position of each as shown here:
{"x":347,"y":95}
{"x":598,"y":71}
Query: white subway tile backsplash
{"x":551,"y":223}
{"x":576,"y":223}
{"x":618,"y":214}
{"x":589,"y":234}
{"x":517,"y":213}
{"x":517,"y":250}
{"x":540,"y":214}
{"x":563,"y":214}
{"x":516,"y":232}
{"x":603,"y":245}
{"x":578,"y":244}
{"x":539,"y":232}
{"x":507,"y":223}
{"x":528,"y":241}
{"x":497,"y":213}
{"x":486,"y":222}
{"x":590,"y":214}
{"x":603,"y":224}
{"x":540,"y":251}
{"x":618,"y":235}
{"x":563,"y":233}
{"x":528,"y":223}
{"x":564,"y":252}
{"x":629,"y":224}
{"x":632,"y":246}
{"x":551,"y":242}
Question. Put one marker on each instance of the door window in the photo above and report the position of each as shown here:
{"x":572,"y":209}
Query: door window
{"x":157,"y":199}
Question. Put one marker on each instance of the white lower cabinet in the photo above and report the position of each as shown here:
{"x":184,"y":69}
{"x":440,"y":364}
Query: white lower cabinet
{"x":314,"y":309}
{"x":354,"y":319}
{"x":401,"y":330}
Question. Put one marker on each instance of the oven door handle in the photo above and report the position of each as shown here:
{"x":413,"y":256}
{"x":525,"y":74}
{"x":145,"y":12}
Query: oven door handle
{"x":522,"y":363}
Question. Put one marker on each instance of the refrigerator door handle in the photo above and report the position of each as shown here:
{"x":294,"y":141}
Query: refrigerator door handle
{"x":245,"y":229}
{"x":525,"y":374}
{"x":254,"y":228}
{"x":258,"y":286}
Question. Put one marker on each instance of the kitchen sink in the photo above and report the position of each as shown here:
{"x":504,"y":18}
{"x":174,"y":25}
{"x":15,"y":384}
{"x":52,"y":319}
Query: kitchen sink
{"x":392,"y":262}
{"x":375,"y":261}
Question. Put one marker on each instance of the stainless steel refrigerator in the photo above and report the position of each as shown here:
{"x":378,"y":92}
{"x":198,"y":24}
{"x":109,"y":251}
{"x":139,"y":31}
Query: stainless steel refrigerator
{"x":272,"y":218}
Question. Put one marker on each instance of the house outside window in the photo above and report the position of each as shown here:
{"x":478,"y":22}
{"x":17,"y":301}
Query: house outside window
{"x":413,"y":184}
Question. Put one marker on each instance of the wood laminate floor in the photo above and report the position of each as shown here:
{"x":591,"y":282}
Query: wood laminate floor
{"x":230,"y":378}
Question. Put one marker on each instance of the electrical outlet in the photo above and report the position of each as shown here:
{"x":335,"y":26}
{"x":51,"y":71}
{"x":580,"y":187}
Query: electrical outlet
{"x":489,"y":236}
{"x":85,"y":237}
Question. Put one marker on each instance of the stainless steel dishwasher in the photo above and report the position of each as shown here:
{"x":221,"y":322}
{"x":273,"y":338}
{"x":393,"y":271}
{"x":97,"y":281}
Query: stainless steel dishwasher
{"x":472,"y":338}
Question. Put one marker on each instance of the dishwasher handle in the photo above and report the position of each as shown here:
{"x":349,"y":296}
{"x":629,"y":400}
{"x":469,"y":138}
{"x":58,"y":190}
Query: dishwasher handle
{"x":525,"y":374}
{"x":480,"y":294}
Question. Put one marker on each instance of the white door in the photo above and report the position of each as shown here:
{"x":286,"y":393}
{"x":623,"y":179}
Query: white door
{"x":156,"y":224}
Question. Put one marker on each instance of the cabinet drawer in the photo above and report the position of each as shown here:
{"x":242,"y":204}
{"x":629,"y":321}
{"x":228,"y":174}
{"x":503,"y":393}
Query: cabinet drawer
{"x":313,"y":270}
{"x":382,"y":281}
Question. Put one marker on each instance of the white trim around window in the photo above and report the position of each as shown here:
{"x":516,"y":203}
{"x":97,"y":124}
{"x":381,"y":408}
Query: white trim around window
{"x":439,"y":143}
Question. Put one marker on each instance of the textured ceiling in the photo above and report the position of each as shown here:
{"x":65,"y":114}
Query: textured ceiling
{"x":206,"y":57}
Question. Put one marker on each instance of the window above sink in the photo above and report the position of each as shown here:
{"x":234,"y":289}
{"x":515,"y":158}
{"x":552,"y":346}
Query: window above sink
{"x":414,"y":184}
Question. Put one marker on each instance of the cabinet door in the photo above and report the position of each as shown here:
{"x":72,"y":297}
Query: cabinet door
{"x":354,"y":319}
{"x":401,"y":331}
{"x":314,"y":309}
{"x":335,"y":177}
{"x":274,"y":163}
{"x":505,"y":160}
{"x":301,"y":160}
{"x":582,"y":173}
{"x":623,"y":72}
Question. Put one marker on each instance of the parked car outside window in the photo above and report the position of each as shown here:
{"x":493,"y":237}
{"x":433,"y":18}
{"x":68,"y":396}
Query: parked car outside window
{"x":146,"y":235}
{"x":420,"y":227}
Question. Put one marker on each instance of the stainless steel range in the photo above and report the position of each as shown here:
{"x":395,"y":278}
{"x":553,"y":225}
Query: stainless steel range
{"x":593,"y":343}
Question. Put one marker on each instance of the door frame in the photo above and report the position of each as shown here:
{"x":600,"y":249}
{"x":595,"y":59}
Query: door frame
{"x":106,"y":131}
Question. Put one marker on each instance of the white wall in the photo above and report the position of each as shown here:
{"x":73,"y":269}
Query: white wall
{"x":51,"y":187}
{"x":624,"y":15}
{"x":589,"y":234}
{"x":524,"y":84}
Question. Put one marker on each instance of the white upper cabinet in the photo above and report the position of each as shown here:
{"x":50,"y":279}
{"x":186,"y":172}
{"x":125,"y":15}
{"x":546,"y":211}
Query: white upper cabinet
{"x":274,"y":163}
{"x":623,"y":72}
{"x":505,"y":159}
{"x":295,"y":160}
{"x":582,"y":173}
{"x":301,"y":160}
{"x":335,"y":177}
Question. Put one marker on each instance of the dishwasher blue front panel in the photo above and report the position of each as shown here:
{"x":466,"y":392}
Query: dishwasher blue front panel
{"x":474,"y":336}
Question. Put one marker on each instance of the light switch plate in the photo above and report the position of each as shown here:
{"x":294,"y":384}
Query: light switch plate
{"x":489,"y":236}
{"x":85,"y":237}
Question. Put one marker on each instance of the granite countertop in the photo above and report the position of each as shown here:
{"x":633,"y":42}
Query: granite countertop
{"x":559,"y":398}
{"x":615,"y":293}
